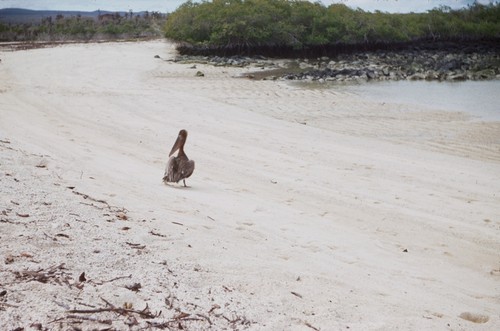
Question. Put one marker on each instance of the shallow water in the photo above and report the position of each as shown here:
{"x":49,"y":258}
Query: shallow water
{"x":480,"y":99}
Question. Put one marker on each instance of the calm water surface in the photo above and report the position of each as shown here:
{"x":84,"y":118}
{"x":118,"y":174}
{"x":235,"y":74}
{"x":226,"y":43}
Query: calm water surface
{"x":481,"y":99}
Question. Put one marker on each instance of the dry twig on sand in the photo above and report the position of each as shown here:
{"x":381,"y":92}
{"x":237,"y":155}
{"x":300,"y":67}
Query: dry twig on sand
{"x":56,"y":274}
{"x":145,"y":313}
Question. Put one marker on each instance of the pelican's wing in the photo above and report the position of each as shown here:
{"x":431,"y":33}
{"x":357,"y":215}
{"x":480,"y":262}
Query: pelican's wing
{"x":171,"y":170}
{"x":187,"y":169}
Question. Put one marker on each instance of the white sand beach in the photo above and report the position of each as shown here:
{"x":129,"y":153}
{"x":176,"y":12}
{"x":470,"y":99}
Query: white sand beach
{"x":309,"y":209}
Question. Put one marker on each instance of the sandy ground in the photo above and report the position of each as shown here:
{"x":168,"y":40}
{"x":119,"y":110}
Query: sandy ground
{"x":309,"y":209}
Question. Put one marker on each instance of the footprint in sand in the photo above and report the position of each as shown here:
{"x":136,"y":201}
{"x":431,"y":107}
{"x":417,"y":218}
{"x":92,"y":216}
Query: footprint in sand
{"x":243,"y":228}
{"x":495,"y":272}
{"x":475,"y":318}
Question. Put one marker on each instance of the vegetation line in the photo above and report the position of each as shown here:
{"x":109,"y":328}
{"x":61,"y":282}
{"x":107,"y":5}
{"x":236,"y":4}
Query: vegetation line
{"x":302,"y":28}
{"x":105,"y":26}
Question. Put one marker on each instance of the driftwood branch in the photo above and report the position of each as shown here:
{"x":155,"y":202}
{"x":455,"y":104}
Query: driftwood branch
{"x":310,"y":326}
{"x":145,"y":313}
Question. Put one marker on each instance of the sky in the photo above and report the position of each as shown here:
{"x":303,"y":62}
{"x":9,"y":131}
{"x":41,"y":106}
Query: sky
{"x":392,"y":6}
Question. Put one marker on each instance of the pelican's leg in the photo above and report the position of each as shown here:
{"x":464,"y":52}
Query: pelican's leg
{"x":184,"y":182}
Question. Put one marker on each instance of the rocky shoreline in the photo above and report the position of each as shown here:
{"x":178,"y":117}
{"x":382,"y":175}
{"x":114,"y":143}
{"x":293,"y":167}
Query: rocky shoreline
{"x":433,"y":65}
{"x":408,"y":65}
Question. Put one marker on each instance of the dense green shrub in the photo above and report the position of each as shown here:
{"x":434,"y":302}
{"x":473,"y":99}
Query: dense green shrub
{"x":254,"y":23}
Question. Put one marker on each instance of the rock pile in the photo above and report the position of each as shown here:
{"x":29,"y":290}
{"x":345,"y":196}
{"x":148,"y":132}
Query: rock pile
{"x":441,"y":65}
{"x":220,"y":61}
{"x":407,"y":65}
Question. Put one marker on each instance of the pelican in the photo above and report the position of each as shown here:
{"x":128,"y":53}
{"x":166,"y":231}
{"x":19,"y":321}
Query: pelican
{"x":178,"y":167}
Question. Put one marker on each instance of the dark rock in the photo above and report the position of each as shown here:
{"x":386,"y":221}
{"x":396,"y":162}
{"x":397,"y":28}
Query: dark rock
{"x":450,"y":65}
{"x":371,"y":75}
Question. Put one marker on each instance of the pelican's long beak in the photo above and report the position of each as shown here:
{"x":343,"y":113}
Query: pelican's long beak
{"x":177,"y":145}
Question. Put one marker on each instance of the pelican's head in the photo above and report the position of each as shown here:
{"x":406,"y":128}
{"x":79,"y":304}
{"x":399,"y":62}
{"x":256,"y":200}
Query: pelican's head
{"x":179,"y":143}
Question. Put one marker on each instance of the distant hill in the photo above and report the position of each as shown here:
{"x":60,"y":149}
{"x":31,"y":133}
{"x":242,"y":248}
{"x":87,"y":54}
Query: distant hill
{"x":18,"y":15}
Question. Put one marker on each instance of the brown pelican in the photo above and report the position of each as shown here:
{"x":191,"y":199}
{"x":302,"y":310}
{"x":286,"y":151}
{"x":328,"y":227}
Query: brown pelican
{"x":178,"y":167}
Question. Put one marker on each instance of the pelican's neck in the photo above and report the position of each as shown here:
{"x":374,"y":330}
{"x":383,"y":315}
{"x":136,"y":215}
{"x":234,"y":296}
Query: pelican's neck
{"x":181,"y":151}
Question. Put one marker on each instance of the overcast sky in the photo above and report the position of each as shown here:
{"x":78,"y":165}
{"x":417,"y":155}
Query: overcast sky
{"x":171,"y":5}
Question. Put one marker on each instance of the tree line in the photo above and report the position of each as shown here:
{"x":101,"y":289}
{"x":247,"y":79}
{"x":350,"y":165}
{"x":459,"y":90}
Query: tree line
{"x":76,"y":27}
{"x":243,"y":25}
